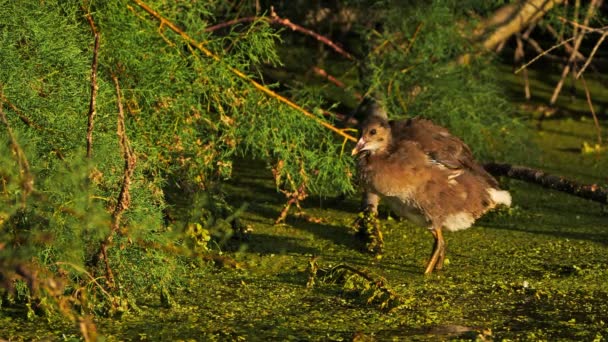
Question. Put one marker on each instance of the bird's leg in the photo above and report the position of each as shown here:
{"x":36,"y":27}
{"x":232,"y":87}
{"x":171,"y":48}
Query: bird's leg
{"x":441,"y":258}
{"x":438,"y":255}
{"x":368,"y":225}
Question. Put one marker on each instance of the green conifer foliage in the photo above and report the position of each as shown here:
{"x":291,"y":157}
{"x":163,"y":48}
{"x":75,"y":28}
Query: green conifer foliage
{"x":430,"y":80}
{"x":188,"y":117}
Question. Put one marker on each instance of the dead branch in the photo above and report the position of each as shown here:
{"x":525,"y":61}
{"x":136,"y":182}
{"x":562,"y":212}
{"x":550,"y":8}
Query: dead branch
{"x":577,"y":43}
{"x":512,"y":18}
{"x":240,"y":74}
{"x":124,"y":197}
{"x":27,"y":180}
{"x":519,"y":55}
{"x":295,"y":197}
{"x":94,"y":86}
{"x":275,"y":19}
{"x":591,"y":192}
{"x":322,"y":73}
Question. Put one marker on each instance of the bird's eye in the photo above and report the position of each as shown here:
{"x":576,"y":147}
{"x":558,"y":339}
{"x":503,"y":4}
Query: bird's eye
{"x":372,"y":132}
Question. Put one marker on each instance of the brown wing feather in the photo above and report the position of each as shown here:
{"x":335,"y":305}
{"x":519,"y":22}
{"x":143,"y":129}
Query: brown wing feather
{"x":440,"y":145}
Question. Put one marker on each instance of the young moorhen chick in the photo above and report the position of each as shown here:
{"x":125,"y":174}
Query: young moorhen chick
{"x":425,"y":175}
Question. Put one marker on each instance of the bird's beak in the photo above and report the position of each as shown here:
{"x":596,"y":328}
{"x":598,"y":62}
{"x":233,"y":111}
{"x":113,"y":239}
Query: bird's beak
{"x":359,"y":147}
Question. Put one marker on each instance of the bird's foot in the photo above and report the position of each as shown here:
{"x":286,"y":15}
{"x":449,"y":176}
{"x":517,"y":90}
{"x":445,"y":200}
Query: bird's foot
{"x":368,"y":231}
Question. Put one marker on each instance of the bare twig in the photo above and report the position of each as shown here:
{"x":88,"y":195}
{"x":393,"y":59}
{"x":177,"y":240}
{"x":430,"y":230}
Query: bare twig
{"x":413,"y":39}
{"x":518,"y":56}
{"x":536,"y":46}
{"x":584,"y":26}
{"x":567,"y":46}
{"x":275,"y":19}
{"x":597,"y":45}
{"x":595,"y":120}
{"x":85,"y":272}
{"x":544,"y":53}
{"x":94,"y":86}
{"x":239,"y":73}
{"x":333,"y":80}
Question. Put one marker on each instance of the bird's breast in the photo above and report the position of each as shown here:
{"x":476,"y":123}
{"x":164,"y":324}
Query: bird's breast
{"x":407,"y":209}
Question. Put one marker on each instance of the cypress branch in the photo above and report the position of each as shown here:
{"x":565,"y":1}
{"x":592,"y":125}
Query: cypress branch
{"x":124,"y":197}
{"x":94,"y":86}
{"x":239,"y":73}
{"x":275,"y":19}
{"x":27,"y":180}
{"x":28,"y":122}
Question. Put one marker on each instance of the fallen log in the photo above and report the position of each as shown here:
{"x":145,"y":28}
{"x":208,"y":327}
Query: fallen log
{"x":591,"y":192}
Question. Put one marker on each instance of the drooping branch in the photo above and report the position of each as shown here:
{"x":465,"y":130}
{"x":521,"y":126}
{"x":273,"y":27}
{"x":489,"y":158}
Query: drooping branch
{"x":29,"y":123}
{"x":240,"y":74}
{"x":124,"y":197}
{"x":27,"y":180}
{"x":94,"y":86}
{"x":294,"y":197}
{"x":591,"y":192}
{"x":22,"y":117}
{"x":275,"y":19}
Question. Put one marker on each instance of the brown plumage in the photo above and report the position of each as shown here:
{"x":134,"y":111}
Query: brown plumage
{"x":426,"y":175}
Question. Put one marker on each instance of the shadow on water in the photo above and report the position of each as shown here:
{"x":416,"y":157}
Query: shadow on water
{"x":262,"y":243}
{"x":560,"y":230}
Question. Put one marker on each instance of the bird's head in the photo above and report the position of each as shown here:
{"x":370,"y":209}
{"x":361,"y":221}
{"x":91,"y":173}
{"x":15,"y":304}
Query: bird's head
{"x":375,"y":136}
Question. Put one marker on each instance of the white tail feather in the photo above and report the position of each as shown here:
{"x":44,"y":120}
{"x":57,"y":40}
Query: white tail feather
{"x":500,"y":196}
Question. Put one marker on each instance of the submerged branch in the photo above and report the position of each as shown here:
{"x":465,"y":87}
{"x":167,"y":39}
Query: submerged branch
{"x":591,"y":192}
{"x":240,"y":74}
{"x":377,"y":288}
